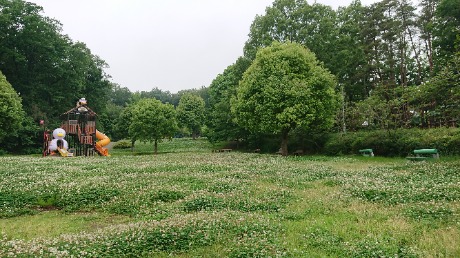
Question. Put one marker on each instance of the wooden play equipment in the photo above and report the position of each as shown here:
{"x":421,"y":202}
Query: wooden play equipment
{"x":79,"y":124}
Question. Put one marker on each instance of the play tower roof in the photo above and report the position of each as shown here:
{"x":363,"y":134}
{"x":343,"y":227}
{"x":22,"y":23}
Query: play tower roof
{"x":80,"y":110}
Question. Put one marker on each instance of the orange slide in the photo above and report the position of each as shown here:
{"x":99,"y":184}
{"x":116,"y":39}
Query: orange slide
{"x":103,"y":141}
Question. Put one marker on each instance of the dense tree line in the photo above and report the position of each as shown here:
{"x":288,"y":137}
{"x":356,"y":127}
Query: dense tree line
{"x":395,"y":65}
{"x":46,"y":68}
{"x":44,"y":73}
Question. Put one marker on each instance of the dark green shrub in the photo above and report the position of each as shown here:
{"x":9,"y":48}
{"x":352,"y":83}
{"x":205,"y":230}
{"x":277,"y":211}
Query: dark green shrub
{"x":309,"y":142}
{"x":339,"y":144}
{"x":28,"y":139}
{"x":452,"y":147}
{"x":266,"y":143}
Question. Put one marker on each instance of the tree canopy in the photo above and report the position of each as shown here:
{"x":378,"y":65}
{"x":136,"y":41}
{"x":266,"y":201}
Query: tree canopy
{"x":152,"y":121}
{"x":11,"y":113}
{"x":283,"y":89}
{"x":220,"y":122}
{"x":391,"y":47}
{"x":48,"y":69}
{"x":190,"y":113}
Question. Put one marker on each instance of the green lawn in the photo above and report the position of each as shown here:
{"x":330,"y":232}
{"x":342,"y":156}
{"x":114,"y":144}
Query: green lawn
{"x":190,"y":202}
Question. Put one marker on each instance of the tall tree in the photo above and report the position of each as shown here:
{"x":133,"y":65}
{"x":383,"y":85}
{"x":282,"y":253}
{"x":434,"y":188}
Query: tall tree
{"x":285,"y":88}
{"x":48,"y":69}
{"x":108,"y":119}
{"x":152,"y":121}
{"x":220,"y":121}
{"x":190,"y":113}
{"x":350,"y":56}
{"x":447,"y":31}
{"x":438,"y":101}
{"x":122,"y":124}
{"x":313,"y":26}
{"x":426,"y":22}
{"x":406,"y":13}
{"x":11,"y":113}
{"x":382,"y":31}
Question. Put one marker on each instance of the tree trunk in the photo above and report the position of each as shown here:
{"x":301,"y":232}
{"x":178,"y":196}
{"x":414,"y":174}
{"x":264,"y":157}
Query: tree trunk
{"x":344,"y":125}
{"x":284,"y":143}
{"x":156,"y":147}
{"x":430,"y":55}
{"x":417,"y":58}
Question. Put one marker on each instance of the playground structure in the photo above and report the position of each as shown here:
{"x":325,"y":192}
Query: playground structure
{"x":81,"y":135}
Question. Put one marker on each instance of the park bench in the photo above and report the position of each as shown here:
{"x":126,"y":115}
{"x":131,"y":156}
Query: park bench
{"x":367,"y":152}
{"x":225,"y":150}
{"x":424,"y":154}
{"x":222,"y":150}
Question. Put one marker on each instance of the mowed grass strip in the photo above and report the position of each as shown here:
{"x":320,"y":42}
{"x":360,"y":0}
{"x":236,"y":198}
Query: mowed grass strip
{"x":185,"y":202}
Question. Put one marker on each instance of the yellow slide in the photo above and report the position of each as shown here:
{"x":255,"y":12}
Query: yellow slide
{"x":103,"y":141}
{"x":65,"y":153}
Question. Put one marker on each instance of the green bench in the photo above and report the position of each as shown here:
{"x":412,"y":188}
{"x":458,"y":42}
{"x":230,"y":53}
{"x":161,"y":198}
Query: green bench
{"x":424,"y":154}
{"x":367,"y":152}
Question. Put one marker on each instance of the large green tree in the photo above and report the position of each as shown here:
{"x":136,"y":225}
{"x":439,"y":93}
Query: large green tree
{"x":152,"y":121}
{"x":438,"y":101}
{"x":122,"y":124}
{"x":313,"y":26}
{"x":425,"y":22}
{"x":220,"y":121}
{"x":350,"y":57}
{"x":285,"y":88}
{"x":11,"y":113}
{"x":447,"y":31}
{"x":48,"y":69}
{"x":190,"y":113}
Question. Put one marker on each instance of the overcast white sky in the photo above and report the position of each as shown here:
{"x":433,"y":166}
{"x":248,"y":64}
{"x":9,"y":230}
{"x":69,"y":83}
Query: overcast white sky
{"x":169,"y":44}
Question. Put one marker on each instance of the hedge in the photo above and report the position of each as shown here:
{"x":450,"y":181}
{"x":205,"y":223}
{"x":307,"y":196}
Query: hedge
{"x":399,"y":142}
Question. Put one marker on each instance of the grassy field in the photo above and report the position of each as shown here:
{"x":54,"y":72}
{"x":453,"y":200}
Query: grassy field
{"x":190,"y":202}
